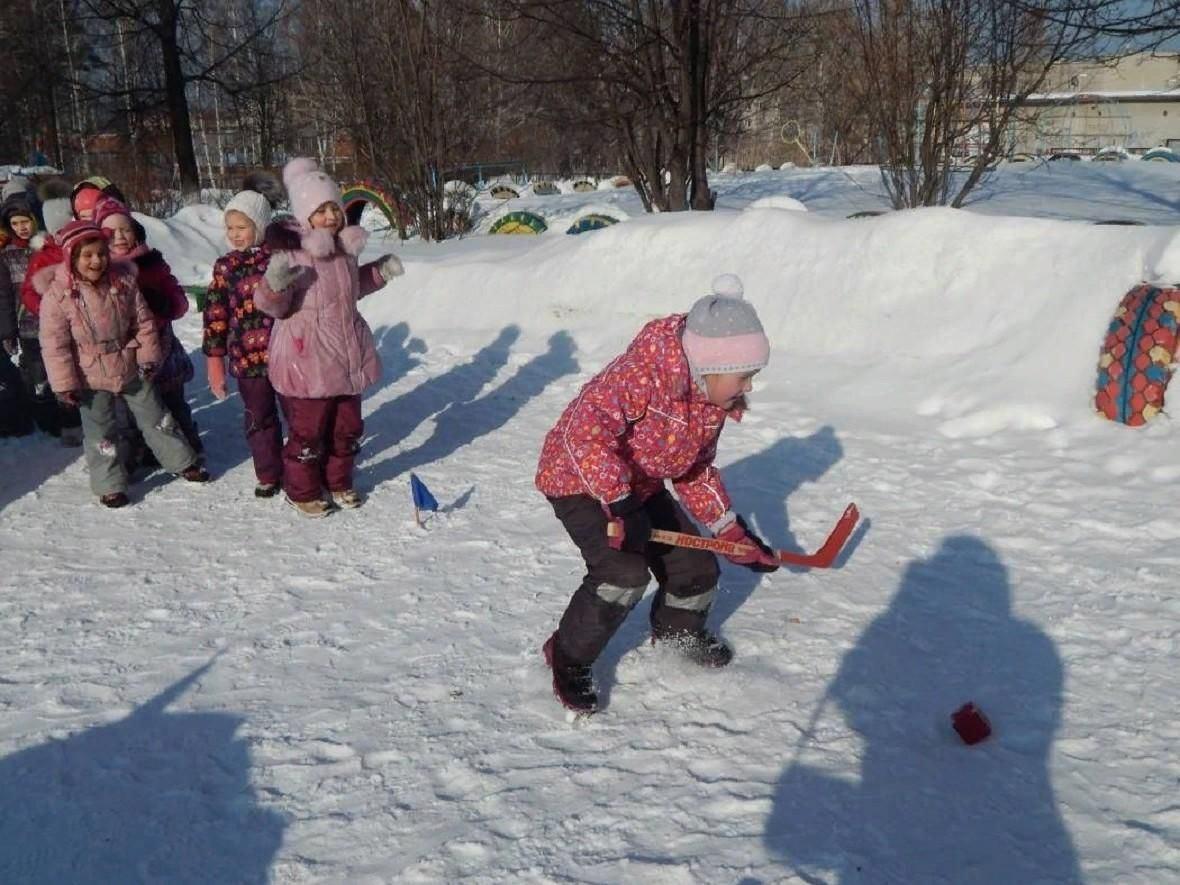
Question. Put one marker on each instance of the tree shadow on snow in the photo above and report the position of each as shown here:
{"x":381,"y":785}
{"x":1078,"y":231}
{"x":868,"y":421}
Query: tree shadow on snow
{"x":157,"y":796}
{"x":926,"y":807}
{"x":760,"y":487}
{"x":394,"y":420}
{"x":463,"y":418}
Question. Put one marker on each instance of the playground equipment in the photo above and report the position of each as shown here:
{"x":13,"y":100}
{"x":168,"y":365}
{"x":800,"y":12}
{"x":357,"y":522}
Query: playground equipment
{"x":519,"y":223}
{"x":1135,"y":363}
{"x":367,"y":193}
{"x":545,"y":189}
{"x":593,"y":221}
{"x":584,"y":186}
{"x":503,"y":191}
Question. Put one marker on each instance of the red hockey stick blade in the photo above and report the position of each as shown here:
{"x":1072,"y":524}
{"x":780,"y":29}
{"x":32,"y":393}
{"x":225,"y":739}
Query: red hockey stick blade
{"x":827,"y":553}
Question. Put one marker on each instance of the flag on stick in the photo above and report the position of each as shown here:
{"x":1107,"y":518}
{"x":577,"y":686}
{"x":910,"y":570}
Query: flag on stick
{"x":423,"y":500}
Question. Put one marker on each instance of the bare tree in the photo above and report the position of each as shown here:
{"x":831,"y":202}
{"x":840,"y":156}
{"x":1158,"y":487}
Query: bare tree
{"x":180,"y":43}
{"x":939,"y":75}
{"x":664,"y":76}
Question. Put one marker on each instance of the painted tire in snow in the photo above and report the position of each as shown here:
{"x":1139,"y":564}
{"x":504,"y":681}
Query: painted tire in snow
{"x":519,"y":223}
{"x":593,"y":221}
{"x":1136,"y":359}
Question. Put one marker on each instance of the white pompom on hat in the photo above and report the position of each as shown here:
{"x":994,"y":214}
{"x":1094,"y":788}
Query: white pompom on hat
{"x":722,"y":333}
{"x":308,"y":188}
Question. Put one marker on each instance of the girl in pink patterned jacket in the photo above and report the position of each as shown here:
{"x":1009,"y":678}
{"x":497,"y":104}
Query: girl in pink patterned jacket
{"x":653,"y":415}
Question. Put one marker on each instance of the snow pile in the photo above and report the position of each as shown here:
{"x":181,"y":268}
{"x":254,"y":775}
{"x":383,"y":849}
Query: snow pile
{"x":979,"y":320}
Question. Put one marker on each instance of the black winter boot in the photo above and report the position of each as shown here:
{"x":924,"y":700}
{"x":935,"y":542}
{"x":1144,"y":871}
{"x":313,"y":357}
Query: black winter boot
{"x":573,"y":684}
{"x":700,"y":647}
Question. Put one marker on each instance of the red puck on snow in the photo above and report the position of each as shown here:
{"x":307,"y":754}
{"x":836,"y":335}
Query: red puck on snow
{"x":970,"y":723}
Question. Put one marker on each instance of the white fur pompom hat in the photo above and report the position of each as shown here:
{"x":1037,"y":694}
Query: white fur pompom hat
{"x":308,"y":188}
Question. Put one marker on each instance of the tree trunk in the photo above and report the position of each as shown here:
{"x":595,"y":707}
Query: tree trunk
{"x":177,"y":101}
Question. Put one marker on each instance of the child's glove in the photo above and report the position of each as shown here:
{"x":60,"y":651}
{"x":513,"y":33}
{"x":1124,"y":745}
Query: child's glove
{"x":390,"y":267}
{"x":69,"y":398}
{"x":215,"y":369}
{"x":11,"y":346}
{"x":628,"y":525}
{"x":280,"y":274}
{"x":760,"y":558}
{"x":147,"y":371}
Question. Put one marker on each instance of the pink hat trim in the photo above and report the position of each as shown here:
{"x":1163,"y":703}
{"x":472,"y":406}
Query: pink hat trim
{"x":734,"y":353}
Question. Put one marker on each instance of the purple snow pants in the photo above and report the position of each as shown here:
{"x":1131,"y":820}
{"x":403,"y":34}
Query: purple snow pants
{"x":323,"y":437}
{"x":264,"y":432}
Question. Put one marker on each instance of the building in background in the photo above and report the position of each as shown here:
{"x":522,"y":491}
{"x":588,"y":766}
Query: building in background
{"x":1132,"y":103}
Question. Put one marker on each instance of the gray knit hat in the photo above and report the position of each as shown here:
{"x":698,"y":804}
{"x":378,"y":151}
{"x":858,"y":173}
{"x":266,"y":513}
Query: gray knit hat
{"x":723,"y":333}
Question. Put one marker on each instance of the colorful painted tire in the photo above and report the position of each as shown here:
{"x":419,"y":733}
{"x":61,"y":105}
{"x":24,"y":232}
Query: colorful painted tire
{"x":1135,"y":363}
{"x":593,"y":221}
{"x":519,"y":223}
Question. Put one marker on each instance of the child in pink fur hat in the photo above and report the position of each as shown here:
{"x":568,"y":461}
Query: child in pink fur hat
{"x":321,"y":354}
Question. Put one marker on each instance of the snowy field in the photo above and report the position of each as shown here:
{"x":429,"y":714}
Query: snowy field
{"x":205,"y":687}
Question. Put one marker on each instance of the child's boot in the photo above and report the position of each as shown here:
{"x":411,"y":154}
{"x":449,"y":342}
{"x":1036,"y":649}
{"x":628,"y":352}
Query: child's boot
{"x":115,"y":500}
{"x":349,"y":499}
{"x":699,"y":646}
{"x":195,"y":473}
{"x":573,"y":684}
{"x":315,"y":509}
{"x":266,"y":489}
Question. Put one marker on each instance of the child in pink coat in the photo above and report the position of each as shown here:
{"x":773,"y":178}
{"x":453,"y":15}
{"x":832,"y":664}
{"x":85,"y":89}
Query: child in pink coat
{"x":321,"y":355}
{"x":652,"y":416}
{"x":99,"y":342}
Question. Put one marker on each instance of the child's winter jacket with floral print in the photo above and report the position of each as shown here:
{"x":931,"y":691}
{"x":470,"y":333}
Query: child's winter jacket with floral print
{"x":640,"y":421}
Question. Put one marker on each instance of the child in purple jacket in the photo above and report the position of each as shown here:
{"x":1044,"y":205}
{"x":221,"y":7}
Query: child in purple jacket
{"x":237,"y":329}
{"x":321,"y":353}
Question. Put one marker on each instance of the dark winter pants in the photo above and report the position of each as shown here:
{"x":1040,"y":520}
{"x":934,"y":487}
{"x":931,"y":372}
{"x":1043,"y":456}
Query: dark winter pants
{"x":615,"y":580}
{"x":100,"y":435}
{"x":323,"y":437}
{"x":50,"y":416}
{"x":264,"y":432}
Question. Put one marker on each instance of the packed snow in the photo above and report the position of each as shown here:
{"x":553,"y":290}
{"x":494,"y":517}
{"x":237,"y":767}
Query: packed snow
{"x":205,"y":687}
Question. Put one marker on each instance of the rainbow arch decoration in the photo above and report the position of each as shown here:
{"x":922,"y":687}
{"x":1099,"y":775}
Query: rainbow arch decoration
{"x":1135,"y":363}
{"x":519,"y":223}
{"x":593,"y":221}
{"x":357,"y":196}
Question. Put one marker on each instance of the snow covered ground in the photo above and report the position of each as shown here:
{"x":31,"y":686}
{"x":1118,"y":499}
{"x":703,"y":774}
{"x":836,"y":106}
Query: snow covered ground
{"x":206,"y":688}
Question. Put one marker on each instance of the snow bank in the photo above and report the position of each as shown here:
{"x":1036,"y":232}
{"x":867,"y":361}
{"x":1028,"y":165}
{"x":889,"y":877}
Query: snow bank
{"x":984,"y":321}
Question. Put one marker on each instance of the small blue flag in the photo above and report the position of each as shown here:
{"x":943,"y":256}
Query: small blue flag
{"x":423,"y":500}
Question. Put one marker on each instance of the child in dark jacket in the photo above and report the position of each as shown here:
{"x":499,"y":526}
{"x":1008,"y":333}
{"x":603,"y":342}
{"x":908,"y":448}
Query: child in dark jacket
{"x":652,"y":416}
{"x":237,"y":329}
{"x":167,"y":302}
{"x":51,"y":415}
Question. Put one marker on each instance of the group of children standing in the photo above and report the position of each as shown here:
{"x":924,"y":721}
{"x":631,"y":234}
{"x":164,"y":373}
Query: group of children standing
{"x":94,"y":336}
{"x":281,"y":316}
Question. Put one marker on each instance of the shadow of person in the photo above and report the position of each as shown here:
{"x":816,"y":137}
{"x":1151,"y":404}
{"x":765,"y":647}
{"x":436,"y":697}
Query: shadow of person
{"x":927,"y":808}
{"x":393,"y":421}
{"x":463,"y":422}
{"x":156,"y":796}
{"x":760,"y":487}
